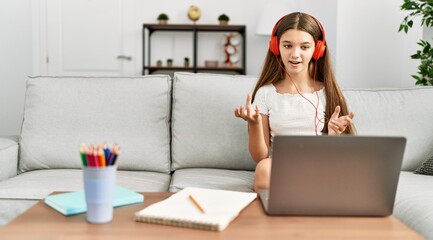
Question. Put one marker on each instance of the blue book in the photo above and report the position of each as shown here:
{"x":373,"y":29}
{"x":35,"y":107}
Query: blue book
{"x":74,"y":202}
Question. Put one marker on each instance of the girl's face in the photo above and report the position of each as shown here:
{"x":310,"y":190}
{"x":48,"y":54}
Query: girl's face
{"x":296,"y":48}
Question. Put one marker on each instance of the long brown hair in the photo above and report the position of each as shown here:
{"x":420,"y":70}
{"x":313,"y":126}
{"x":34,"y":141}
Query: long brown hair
{"x":274,"y":72}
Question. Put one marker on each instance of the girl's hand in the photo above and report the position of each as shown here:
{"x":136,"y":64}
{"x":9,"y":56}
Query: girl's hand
{"x":337,"y":125}
{"x":248,"y":113}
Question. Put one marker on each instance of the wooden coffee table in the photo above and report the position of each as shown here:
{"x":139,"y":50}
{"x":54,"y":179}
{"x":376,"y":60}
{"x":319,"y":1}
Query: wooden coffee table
{"x":42,"y":222}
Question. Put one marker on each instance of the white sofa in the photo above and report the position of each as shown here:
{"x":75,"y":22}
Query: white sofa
{"x":181,"y":132}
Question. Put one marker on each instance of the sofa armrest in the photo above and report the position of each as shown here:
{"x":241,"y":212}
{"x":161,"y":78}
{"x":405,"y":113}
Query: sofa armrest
{"x":8,"y":157}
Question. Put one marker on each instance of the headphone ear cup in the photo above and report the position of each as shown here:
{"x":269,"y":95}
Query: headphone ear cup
{"x":273,"y":45}
{"x":319,"y":50}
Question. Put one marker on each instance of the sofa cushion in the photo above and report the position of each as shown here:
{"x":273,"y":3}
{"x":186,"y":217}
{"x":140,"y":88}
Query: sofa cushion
{"x":8,"y":158}
{"x":426,"y":168}
{"x":396,"y":112}
{"x":413,"y":204}
{"x":205,"y":132}
{"x":35,"y":185}
{"x":235,"y":180}
{"x":63,"y":112}
{"x":12,"y":208}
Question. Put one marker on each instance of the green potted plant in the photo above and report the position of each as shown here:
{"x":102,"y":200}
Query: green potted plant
{"x":223,"y":19}
{"x":169,"y":62}
{"x":424,"y":9}
{"x":186,"y":62}
{"x":162,"y":18}
{"x":159,"y":63}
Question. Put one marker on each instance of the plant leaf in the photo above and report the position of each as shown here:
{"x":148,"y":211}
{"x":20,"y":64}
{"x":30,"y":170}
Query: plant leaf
{"x":416,"y":77}
{"x":410,"y":23}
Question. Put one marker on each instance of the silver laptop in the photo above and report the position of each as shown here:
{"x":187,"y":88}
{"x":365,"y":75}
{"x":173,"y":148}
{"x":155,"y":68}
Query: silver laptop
{"x":333,"y":176}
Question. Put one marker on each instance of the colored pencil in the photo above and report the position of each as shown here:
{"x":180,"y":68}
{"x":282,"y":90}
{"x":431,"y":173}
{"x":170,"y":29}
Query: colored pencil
{"x":83,"y":154}
{"x":101,"y":157}
{"x":98,"y":155}
{"x":106,"y":154}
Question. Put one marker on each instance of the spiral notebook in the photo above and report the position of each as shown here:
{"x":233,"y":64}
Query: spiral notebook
{"x":207,"y":209}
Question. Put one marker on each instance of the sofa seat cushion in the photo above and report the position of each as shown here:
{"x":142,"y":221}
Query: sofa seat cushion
{"x":12,"y":208}
{"x":236,"y":180}
{"x":40,"y":183}
{"x":8,"y":158}
{"x":60,"y":113}
{"x":413,"y":204}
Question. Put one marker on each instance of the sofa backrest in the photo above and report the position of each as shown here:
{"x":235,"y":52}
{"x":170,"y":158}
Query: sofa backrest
{"x":131,"y":111}
{"x":396,"y":112}
{"x":135,"y":113}
{"x":205,"y":132}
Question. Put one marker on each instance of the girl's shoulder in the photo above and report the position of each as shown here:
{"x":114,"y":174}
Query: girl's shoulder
{"x":268,"y":88}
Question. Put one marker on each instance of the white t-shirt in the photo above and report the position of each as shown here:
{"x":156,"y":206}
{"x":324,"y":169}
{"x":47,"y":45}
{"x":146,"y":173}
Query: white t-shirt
{"x":291,"y":114}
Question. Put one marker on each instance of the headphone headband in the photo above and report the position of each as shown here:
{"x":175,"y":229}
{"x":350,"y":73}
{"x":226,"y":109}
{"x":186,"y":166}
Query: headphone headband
{"x":321,"y":28}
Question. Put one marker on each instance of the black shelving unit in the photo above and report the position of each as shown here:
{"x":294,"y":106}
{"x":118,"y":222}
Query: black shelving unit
{"x":194,"y":28}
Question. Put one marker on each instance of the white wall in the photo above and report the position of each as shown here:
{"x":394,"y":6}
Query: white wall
{"x":369,"y":52}
{"x":15,"y":61}
{"x":428,"y":34}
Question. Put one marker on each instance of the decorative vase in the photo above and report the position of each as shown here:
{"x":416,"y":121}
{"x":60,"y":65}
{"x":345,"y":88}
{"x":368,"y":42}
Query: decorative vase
{"x":194,"y":13}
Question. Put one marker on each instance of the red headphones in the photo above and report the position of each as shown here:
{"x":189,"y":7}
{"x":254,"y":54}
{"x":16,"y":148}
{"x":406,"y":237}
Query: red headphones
{"x":318,"y":51}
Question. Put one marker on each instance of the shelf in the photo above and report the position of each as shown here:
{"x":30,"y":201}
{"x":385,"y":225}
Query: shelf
{"x":194,"y":29}
{"x":196,"y":69}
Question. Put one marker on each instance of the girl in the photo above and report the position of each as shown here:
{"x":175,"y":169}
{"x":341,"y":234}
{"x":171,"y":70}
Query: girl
{"x":296,"y":93}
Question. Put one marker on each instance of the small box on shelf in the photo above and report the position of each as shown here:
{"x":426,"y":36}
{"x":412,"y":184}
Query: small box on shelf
{"x":211,"y":63}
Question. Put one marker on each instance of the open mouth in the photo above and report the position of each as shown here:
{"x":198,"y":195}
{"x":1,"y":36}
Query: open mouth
{"x":294,"y":62}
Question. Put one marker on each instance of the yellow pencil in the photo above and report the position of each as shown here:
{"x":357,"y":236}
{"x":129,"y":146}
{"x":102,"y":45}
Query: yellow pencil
{"x":196,"y":203}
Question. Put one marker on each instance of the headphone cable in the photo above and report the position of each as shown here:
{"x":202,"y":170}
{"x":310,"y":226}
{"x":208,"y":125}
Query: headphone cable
{"x":317,"y":121}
